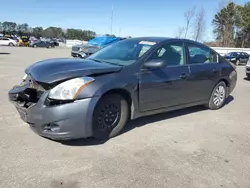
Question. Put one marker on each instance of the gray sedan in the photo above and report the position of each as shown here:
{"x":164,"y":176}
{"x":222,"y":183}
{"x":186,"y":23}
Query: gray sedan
{"x":77,"y":98}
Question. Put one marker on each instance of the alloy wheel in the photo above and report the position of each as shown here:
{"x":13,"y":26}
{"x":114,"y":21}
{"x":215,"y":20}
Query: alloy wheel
{"x":219,"y":95}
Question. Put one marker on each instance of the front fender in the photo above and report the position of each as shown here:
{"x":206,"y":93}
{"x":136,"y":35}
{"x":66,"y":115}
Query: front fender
{"x":115,"y":81}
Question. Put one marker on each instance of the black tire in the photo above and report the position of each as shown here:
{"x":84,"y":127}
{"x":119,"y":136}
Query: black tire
{"x":49,"y":46}
{"x":112,"y":106}
{"x":248,"y":76}
{"x":34,"y":46}
{"x":11,"y":44}
{"x":212,"y":103}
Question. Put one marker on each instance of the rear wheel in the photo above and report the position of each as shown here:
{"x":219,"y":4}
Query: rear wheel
{"x":110,"y":116}
{"x":218,"y":96}
{"x":11,"y":44}
{"x":49,"y":46}
{"x":34,"y":46}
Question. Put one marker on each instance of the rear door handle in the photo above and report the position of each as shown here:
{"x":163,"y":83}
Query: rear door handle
{"x":183,"y":76}
{"x":215,"y":70}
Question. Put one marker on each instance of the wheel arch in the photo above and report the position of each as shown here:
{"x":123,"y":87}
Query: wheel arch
{"x":226,"y":81}
{"x":125,"y":94}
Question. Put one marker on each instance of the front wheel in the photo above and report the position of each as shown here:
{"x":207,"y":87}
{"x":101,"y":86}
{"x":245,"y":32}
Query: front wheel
{"x":11,"y":44}
{"x":110,"y":116}
{"x":218,"y":96}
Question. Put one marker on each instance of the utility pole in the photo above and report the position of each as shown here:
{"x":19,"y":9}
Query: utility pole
{"x":120,"y":29}
{"x":111,"y":24}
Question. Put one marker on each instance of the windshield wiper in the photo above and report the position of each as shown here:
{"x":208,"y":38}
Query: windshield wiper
{"x":96,"y":60}
{"x":103,"y":61}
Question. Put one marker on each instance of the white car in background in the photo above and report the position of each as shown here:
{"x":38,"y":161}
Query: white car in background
{"x":7,"y":42}
{"x":248,"y":69}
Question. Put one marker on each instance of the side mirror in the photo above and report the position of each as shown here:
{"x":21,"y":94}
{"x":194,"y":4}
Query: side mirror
{"x":154,"y":64}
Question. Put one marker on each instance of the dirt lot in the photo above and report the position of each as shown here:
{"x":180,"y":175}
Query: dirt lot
{"x":194,"y":147}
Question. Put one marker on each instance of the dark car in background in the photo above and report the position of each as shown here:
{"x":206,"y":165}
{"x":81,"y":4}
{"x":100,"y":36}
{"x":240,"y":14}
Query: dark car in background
{"x":42,"y":44}
{"x":76,"y":98}
{"x":55,"y":42}
{"x":237,"y":57}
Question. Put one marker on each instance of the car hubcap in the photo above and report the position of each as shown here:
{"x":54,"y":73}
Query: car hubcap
{"x":219,"y":95}
{"x":108,"y":117}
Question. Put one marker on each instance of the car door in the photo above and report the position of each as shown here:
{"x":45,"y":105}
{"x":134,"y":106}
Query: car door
{"x":167,"y":86}
{"x":5,"y":41}
{"x":1,"y":41}
{"x":244,"y":57}
{"x":42,"y":44}
{"x":204,"y":71}
{"x":237,"y":55}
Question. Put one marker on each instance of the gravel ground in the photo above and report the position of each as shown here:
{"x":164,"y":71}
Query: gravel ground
{"x":194,"y":147}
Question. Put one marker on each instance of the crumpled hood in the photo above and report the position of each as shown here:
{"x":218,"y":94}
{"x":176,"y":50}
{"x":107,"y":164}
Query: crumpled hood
{"x":54,"y":70}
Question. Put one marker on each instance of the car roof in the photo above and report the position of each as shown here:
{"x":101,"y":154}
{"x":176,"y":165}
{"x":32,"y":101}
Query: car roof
{"x":164,"y":39}
{"x":151,"y":39}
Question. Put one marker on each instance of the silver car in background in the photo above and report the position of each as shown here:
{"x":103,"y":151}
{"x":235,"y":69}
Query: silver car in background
{"x":248,"y":69}
{"x":83,"y":50}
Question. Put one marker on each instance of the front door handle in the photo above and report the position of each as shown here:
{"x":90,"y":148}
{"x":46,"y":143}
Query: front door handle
{"x":183,"y":76}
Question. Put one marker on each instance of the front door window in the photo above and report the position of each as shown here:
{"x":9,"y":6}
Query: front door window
{"x":171,"y":53}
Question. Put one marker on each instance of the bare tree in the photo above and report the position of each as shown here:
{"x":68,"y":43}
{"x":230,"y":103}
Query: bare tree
{"x":199,"y":25}
{"x":179,"y":32}
{"x":188,"y":17}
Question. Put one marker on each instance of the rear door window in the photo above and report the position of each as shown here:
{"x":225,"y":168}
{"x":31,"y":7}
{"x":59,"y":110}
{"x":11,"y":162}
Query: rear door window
{"x":200,"y":54}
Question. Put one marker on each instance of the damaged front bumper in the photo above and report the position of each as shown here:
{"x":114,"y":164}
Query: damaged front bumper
{"x":58,"y":121}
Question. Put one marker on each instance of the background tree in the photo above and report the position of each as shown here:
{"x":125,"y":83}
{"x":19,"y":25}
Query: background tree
{"x":80,"y":34}
{"x":188,"y":17}
{"x":9,"y":26}
{"x":199,"y":25}
{"x":225,"y":23}
{"x":53,"y":32}
{"x":179,"y":32}
{"x":37,"y":32}
{"x":110,"y":35}
{"x":243,"y":35}
{"x":24,"y":27}
{"x":1,"y":27}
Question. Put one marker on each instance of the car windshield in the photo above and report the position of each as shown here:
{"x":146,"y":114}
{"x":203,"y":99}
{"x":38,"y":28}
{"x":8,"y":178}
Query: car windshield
{"x":123,"y":53}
